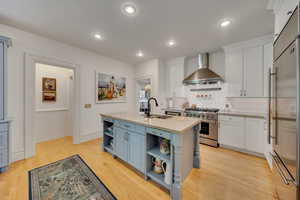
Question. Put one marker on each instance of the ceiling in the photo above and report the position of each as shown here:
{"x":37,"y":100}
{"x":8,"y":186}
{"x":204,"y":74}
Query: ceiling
{"x":193,"y":24}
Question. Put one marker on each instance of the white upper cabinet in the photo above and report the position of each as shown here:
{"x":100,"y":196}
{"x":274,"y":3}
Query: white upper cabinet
{"x":246,"y":67}
{"x":234,"y":72}
{"x":253,"y":72}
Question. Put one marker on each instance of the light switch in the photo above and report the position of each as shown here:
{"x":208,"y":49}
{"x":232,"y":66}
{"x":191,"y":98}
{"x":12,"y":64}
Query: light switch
{"x":87,"y":105}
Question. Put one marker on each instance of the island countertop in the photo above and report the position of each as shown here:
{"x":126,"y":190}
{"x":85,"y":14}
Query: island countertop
{"x":173,"y":124}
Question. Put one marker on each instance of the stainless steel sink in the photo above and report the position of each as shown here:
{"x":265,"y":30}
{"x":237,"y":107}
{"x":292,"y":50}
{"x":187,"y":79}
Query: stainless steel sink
{"x":159,"y":116}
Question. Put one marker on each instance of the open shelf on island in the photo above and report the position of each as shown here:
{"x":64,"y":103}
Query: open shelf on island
{"x":159,"y":178}
{"x":155,"y":152}
{"x":108,"y":133}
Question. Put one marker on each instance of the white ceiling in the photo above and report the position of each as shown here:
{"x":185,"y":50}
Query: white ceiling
{"x":194,"y":24}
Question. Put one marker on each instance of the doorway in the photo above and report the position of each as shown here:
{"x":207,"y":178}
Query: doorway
{"x":143,"y":92}
{"x":42,"y":105}
{"x":53,"y":102}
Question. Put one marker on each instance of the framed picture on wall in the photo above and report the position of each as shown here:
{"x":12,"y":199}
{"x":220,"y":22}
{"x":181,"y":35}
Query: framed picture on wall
{"x":49,"y":84}
{"x":110,"y":88}
{"x":49,"y":96}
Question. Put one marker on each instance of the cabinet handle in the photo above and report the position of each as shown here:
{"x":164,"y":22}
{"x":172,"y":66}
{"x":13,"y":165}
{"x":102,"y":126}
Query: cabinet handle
{"x":241,"y":92}
{"x":245,"y":93}
{"x":126,"y":136}
{"x":289,"y":12}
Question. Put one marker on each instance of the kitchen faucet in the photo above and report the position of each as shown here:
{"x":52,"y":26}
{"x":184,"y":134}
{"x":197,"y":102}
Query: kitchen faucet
{"x":148,"y":111}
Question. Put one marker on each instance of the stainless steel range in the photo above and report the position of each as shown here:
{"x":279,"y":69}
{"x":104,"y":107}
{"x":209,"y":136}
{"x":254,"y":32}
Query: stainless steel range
{"x":208,"y":128}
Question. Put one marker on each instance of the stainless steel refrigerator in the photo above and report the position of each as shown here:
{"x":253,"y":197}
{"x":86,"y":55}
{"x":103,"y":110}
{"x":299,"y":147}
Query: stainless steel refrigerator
{"x":284,"y":111}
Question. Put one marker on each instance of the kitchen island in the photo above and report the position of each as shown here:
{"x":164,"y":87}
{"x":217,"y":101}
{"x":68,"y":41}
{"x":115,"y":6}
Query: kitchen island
{"x":136,"y":140}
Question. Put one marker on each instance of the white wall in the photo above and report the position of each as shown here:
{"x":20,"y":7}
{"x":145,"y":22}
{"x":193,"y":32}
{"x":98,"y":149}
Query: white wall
{"x":174,"y":76}
{"x":53,"y":119}
{"x":24,"y":42}
{"x":63,"y":85}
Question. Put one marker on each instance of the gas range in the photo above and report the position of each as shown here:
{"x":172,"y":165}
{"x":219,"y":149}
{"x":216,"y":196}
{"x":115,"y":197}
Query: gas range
{"x":202,"y":113}
{"x":208,"y":127}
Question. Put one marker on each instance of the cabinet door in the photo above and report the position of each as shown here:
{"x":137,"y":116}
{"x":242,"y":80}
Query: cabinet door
{"x":1,"y":81}
{"x":121,"y":146}
{"x":234,"y":72}
{"x":231,"y":132}
{"x":137,"y":154}
{"x":255,"y":137}
{"x":253,"y":72}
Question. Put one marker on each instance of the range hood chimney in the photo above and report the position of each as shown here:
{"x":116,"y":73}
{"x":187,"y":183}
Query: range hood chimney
{"x":203,"y":75}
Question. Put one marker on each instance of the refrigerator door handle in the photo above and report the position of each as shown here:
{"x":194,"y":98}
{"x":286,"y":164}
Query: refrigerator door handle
{"x":286,"y":181}
{"x":272,"y":73}
{"x":269,"y":106}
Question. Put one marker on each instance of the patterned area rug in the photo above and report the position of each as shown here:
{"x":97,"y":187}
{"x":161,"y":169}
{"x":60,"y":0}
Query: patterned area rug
{"x":67,"y":179}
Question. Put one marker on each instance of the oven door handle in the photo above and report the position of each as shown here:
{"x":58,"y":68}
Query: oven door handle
{"x":286,"y":181}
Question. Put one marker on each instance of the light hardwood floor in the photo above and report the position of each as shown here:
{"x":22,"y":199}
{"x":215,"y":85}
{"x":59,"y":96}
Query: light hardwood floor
{"x":224,"y":175}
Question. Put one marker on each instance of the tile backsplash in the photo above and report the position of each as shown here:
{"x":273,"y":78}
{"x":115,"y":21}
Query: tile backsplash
{"x":218,"y":99}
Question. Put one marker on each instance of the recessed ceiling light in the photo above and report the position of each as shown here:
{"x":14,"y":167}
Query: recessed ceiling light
{"x":98,"y":36}
{"x":129,"y":9}
{"x":171,"y":43}
{"x":225,"y":23}
{"x":140,"y":54}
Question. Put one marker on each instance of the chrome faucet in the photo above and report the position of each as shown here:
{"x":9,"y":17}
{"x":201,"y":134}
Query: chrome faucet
{"x":148,"y":111}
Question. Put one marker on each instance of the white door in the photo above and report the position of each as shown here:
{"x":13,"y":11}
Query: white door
{"x":231,"y":132}
{"x":253,"y":72}
{"x":255,"y":136}
{"x":234,"y":72}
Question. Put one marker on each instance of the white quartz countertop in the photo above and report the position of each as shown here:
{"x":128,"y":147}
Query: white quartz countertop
{"x":243,"y":114}
{"x":174,"y":124}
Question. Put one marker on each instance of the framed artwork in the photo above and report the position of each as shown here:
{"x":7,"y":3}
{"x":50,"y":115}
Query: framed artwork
{"x":49,"y":96}
{"x":49,"y":89}
{"x":110,"y":88}
{"x":49,"y":84}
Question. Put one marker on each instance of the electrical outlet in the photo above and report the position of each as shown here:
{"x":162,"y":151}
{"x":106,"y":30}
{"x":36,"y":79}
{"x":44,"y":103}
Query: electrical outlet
{"x":87,"y":105}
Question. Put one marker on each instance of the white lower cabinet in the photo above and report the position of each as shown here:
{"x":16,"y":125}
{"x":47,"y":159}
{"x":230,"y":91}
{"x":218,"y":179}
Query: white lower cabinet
{"x":231,"y":131}
{"x":242,"y":133}
{"x":254,"y":134}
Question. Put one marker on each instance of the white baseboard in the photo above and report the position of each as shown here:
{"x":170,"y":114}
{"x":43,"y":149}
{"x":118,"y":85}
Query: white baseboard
{"x":17,"y":156}
{"x":243,"y":151}
{"x":90,"y":136}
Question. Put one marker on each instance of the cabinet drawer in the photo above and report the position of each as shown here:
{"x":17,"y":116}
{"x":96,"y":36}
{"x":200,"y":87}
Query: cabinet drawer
{"x":4,"y":127}
{"x":140,"y":129}
{"x":3,"y":140}
{"x":126,"y":125}
{"x":159,"y":133}
{"x":3,"y":158}
{"x":231,"y":118}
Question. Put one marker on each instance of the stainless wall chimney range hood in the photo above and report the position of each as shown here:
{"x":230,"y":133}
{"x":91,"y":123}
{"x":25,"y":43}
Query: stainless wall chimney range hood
{"x":203,"y":75}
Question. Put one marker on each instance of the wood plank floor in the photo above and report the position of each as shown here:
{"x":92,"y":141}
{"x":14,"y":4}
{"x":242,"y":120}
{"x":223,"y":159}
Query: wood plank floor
{"x":225,"y":174}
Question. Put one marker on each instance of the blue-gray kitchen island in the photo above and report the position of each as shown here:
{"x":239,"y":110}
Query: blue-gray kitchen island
{"x":148,"y":143}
